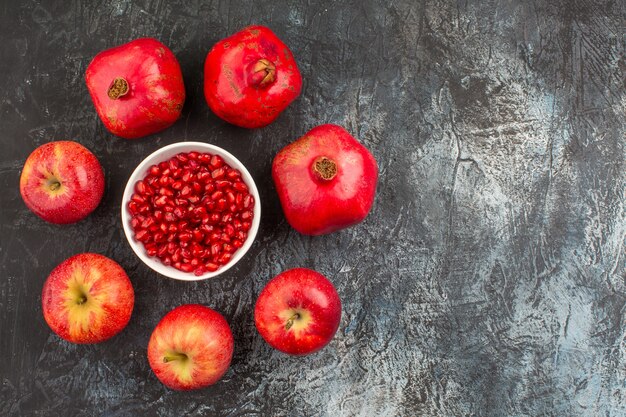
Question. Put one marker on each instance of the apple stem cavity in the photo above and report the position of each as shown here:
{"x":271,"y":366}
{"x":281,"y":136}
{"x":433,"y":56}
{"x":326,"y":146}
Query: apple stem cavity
{"x":118,"y":88}
{"x":263,"y":73}
{"x":174,"y":356}
{"x":324,"y":168}
{"x":291,"y":321}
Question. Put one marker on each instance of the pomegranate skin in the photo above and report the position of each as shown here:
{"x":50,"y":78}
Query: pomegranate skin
{"x":326,"y":180}
{"x":137,"y":88}
{"x":250,"y":77}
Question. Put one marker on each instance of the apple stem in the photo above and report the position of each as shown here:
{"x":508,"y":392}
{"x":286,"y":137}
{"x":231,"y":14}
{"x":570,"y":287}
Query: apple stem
{"x":291,"y":320}
{"x":118,"y":88}
{"x":324,"y":168}
{"x":174,"y":357}
{"x":54,"y":185}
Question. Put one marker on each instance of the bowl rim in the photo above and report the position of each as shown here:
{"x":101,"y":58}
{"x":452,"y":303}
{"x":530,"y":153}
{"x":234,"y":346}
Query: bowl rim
{"x":155,"y":158}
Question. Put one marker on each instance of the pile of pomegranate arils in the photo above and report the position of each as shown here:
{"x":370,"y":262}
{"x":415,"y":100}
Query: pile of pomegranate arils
{"x":193,"y":212}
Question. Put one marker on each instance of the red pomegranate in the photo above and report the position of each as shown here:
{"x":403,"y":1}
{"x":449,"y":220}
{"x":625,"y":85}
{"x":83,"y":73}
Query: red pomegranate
{"x":326,"y":180}
{"x":137,"y":88}
{"x":250,"y":77}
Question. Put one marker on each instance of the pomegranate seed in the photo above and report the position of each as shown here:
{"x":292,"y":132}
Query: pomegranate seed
{"x":218,"y":173}
{"x":197,"y":251}
{"x":187,"y":267}
{"x":225,"y":238}
{"x":154,"y":170}
{"x":173,"y":164}
{"x":179,"y":212}
{"x":239,"y":200}
{"x":171,"y":217}
{"x":229,"y":229}
{"x":163,"y":166}
{"x":162,"y":251}
{"x":210,"y":187}
{"x":221,"y":204}
{"x":176,"y":256}
{"x":166,"y":260}
{"x":227,"y":218}
{"x":193,"y":199}
{"x":216,"y":248}
{"x":171,"y":248}
{"x":142,"y":188}
{"x":151,"y":251}
{"x":216,"y":161}
{"x":163,"y":227}
{"x":160,"y":201}
{"x":182,"y":157}
{"x":246,"y":215}
{"x":147,"y":223}
{"x":138,"y":199}
{"x":233,"y":208}
{"x":186,"y":253}
{"x":237,"y":224}
{"x":237,"y":243}
{"x":168,"y":209}
{"x":224,"y":258}
{"x":143,"y":209}
{"x":177,"y":185}
{"x":248,"y":200}
{"x":142,"y":235}
{"x":184,"y":236}
{"x":230,"y":197}
{"x":204,"y":176}
{"x":172,"y":228}
{"x":165,"y":181}
{"x":211,"y":267}
{"x":196,"y":187}
{"x":166,"y":192}
{"x":199,"y":271}
{"x":193,"y":155}
{"x":177,"y":265}
{"x":187,"y":176}
{"x":246,"y":226}
{"x":134,"y":222}
{"x":215,"y":236}
{"x":158,"y":215}
{"x":198,"y":236}
{"x":227,"y":248}
{"x":240,"y":186}
{"x":159,"y":237}
{"x":234,"y":174}
{"x":193,"y":165}
{"x":204,"y":158}
{"x":221,"y":184}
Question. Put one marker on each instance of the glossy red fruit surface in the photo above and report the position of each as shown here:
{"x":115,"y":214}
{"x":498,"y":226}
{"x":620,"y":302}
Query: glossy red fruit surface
{"x":326,"y":180}
{"x":250,"y":77}
{"x":62,"y":182}
{"x":88,"y":298}
{"x":298,"y":311}
{"x":137,"y":88}
{"x":192,"y":211}
{"x":191,"y":347}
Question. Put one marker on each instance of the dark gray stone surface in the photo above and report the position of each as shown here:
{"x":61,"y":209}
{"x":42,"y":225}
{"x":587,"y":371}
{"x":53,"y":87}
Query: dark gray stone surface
{"x":488,"y":279}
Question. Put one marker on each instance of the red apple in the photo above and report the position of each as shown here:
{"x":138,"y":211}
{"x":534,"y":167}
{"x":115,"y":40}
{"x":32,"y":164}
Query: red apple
{"x":62,"y":182}
{"x":298,"y":312}
{"x":191,"y":347}
{"x":88,"y":298}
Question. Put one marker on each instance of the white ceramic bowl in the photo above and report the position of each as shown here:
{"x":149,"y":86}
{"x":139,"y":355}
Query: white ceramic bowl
{"x":165,"y":154}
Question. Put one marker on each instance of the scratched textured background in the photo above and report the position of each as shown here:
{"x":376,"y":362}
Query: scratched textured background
{"x":488,"y":279}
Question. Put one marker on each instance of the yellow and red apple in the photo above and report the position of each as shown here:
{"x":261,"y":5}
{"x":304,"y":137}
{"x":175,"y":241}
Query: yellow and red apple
{"x":191,"y":347}
{"x":88,"y":298}
{"x":62,"y":182}
{"x":298,"y":311}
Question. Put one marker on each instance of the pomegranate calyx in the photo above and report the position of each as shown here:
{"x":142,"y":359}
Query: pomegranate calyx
{"x":263,"y":73}
{"x":324,"y":168}
{"x":118,"y":88}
